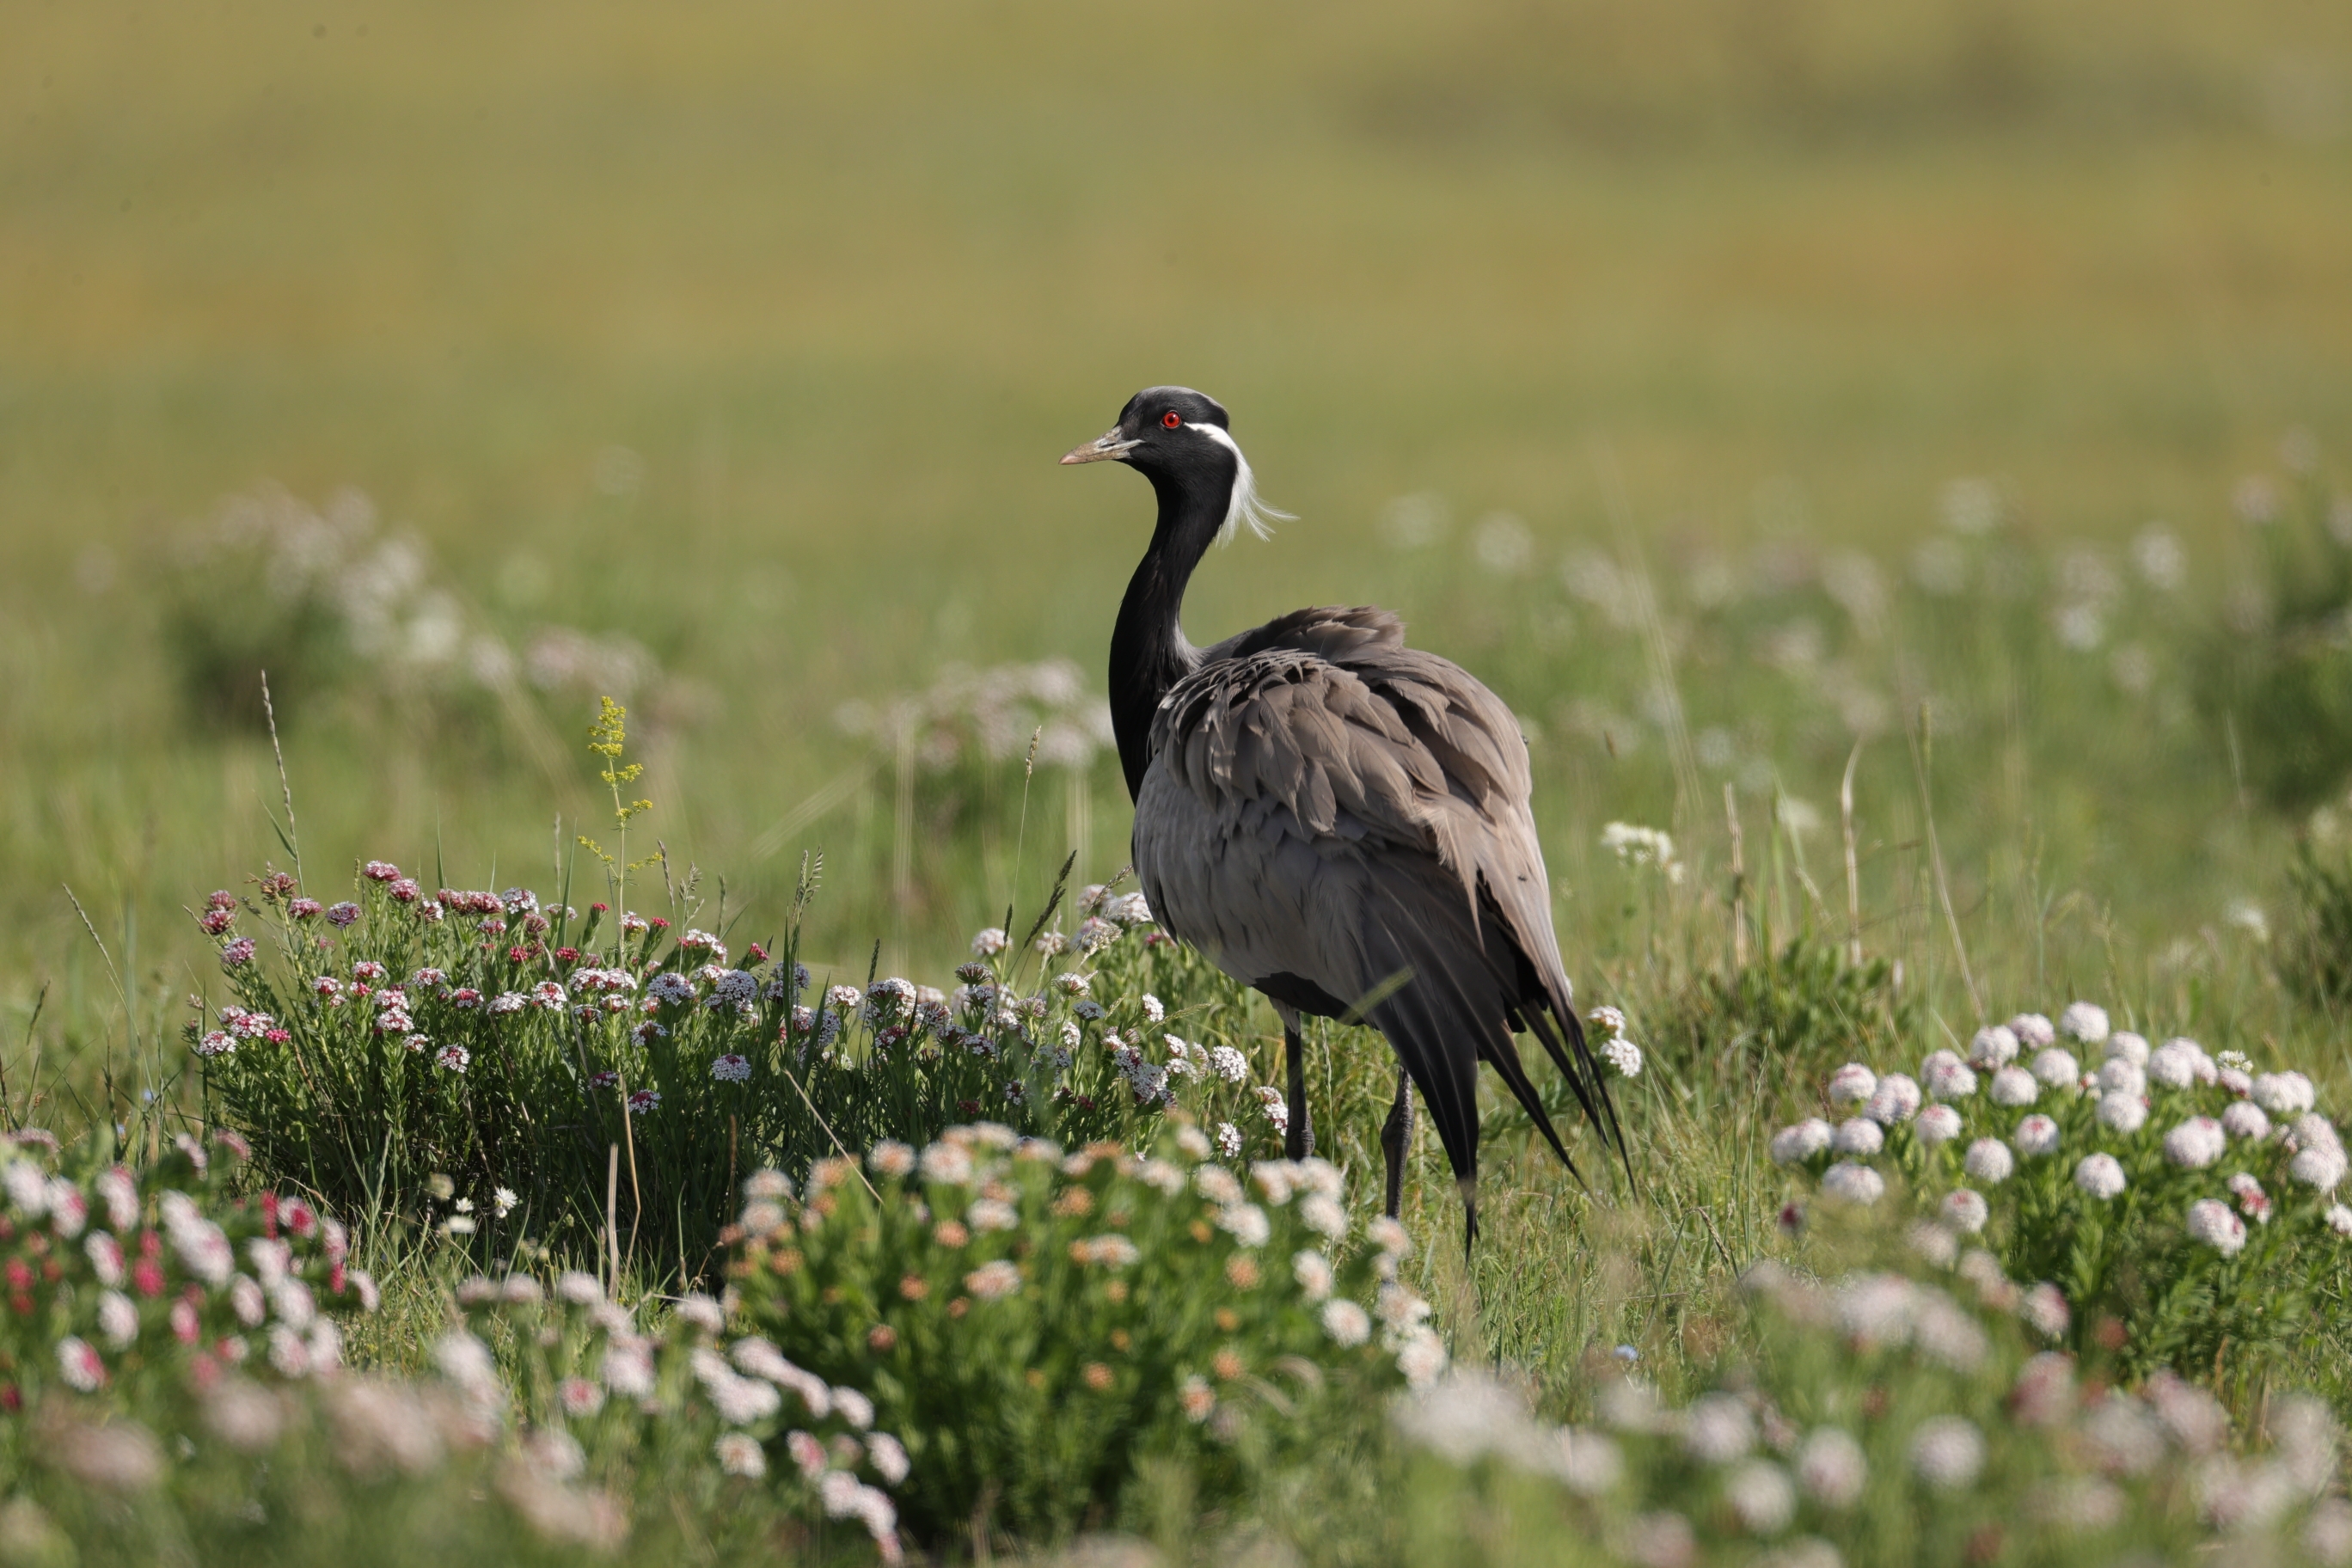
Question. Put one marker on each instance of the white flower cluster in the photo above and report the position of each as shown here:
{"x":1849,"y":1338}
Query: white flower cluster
{"x":2267,"y":1118}
{"x":1636,"y":847}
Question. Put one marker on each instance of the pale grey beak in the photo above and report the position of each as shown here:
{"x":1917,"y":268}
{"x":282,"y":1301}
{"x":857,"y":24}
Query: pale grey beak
{"x":1107,"y":445}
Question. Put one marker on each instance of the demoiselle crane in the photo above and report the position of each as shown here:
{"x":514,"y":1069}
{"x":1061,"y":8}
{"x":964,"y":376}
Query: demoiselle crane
{"x":1333,"y":819}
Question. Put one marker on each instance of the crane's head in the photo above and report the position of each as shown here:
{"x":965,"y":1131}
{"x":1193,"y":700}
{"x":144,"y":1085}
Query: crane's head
{"x":1181,"y":439}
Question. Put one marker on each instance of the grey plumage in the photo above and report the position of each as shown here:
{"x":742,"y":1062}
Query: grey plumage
{"x":1324,"y":801}
{"x":1336,"y":819}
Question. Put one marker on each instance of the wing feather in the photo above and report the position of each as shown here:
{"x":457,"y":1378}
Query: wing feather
{"x":1325,"y":802}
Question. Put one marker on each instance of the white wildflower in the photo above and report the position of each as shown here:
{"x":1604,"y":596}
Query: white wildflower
{"x":1761,"y":1494}
{"x":1348,"y":1324}
{"x":2014,"y":1087}
{"x":2044,"y":1309}
{"x":1965,"y":1210}
{"x":1247,"y":1224}
{"x":1853,"y":1183}
{"x":1621,"y":1056}
{"x":2100,"y":1175}
{"x":1946,"y":1077}
{"x":2194,"y":1143}
{"x":2035,"y":1136}
{"x":1989,"y":1161}
{"x":2211,"y":1222}
{"x":1322,"y":1214}
{"x":1937,"y":1124}
{"x":1717,"y":1429}
{"x":2033,"y":1030}
{"x":2178,"y":1064}
{"x":1993,"y":1046}
{"x":2085,"y":1022}
{"x":1859,"y":1136}
{"x":2284,"y":1093}
{"x":2056,"y":1069}
{"x":1948,"y":1452}
{"x":1793,"y":1145}
{"x":1830,"y":1467}
{"x":2125,"y":1113}
{"x":1635,"y":847}
{"x":1852,"y":1084}
{"x":1897,"y":1100}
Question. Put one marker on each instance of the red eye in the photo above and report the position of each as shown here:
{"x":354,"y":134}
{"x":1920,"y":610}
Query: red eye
{"x":1172,"y":420}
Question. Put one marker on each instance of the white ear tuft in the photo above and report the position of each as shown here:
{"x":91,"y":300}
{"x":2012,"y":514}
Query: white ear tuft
{"x":1246,"y":506}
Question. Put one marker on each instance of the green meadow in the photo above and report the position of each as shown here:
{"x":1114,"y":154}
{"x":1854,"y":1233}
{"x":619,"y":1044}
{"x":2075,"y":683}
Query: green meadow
{"x":1871,"y":444}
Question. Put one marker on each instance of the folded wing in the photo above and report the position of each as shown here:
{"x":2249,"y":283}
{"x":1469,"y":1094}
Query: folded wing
{"x":1328,"y":809}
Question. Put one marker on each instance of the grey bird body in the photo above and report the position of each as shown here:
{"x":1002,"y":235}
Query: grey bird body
{"x":1341,"y":822}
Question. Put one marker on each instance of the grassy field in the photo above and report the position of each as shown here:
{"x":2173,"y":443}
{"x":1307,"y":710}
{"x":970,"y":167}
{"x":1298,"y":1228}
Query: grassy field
{"x":847,"y":286}
{"x":1730,"y":386}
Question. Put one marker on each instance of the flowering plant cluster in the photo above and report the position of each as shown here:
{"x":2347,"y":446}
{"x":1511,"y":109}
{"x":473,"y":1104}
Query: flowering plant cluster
{"x":1896,"y":1416}
{"x":1035,"y":1320}
{"x":2171,"y":1201}
{"x":507,"y":1044}
{"x":608,"y":1406}
{"x":178,"y":1348}
{"x":119,"y":1282}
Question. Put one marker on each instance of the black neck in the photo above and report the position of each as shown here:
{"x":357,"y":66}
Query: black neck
{"x":1148,"y":654}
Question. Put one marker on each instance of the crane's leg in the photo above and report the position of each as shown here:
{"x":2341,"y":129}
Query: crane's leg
{"x":1298,"y":1141}
{"x":1396,"y":1138}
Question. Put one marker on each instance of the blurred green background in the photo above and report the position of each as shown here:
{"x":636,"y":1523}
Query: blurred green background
{"x":740,"y":339}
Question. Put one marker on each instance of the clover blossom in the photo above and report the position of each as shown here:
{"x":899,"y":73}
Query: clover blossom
{"x":1793,"y":1145}
{"x":2124,"y":1113}
{"x":1852,"y":1084}
{"x":1348,"y":1324}
{"x":2035,"y":1136}
{"x":1852,"y":1183}
{"x":1859,"y":1136}
{"x":1896,"y":1099}
{"x":1989,"y":1161}
{"x":1946,"y":1077}
{"x":1832,"y":1468}
{"x":2014,"y":1087}
{"x":1965,"y":1210}
{"x":2284,"y":1093}
{"x":2194,"y":1143}
{"x":1937,"y":1124}
{"x":2056,"y":1069}
{"x":1994,"y":1046}
{"x":2101,"y":1175}
{"x":2210,"y":1221}
{"x":2084,"y":1021}
{"x":1948,"y":1452}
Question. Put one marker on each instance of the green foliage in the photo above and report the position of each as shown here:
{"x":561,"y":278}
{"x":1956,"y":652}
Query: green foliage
{"x":1038,"y":1323}
{"x":2282,"y":673}
{"x":2316,"y":957}
{"x":1784,"y":1019}
{"x":401,"y":1041}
